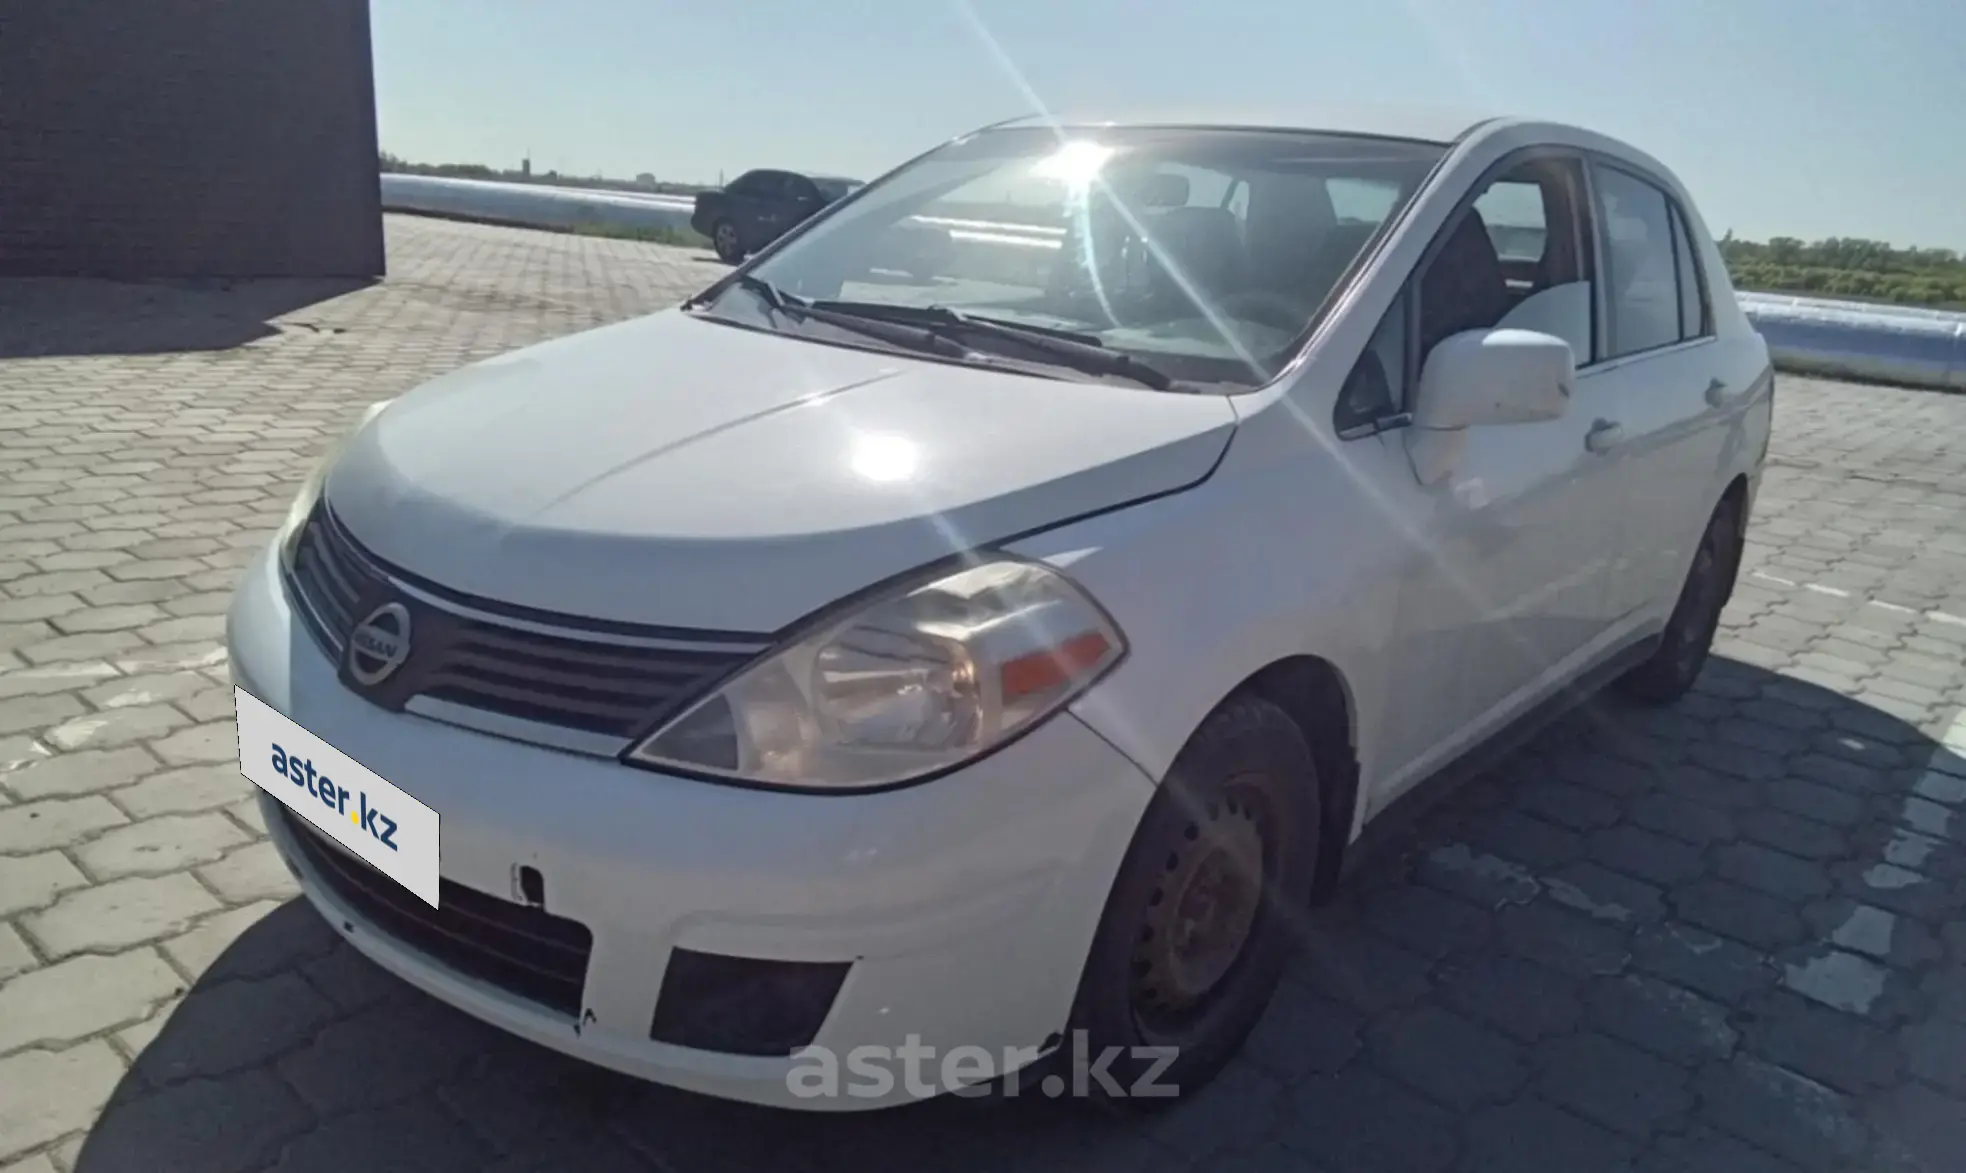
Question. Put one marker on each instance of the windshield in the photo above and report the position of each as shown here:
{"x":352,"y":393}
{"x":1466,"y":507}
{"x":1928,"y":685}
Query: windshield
{"x":1204,"y":252}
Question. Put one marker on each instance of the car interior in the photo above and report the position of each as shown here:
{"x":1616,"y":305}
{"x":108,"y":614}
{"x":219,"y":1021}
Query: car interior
{"x":1274,"y":262}
{"x":1468,"y":284}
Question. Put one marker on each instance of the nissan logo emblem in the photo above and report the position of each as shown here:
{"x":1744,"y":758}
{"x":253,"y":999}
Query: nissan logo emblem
{"x":379,"y":644}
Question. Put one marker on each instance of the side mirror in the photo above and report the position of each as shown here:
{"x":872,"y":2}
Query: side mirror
{"x":1482,"y":377}
{"x":1485,"y":377}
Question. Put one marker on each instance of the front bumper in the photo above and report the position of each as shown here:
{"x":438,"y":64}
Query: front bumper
{"x":965,"y":905}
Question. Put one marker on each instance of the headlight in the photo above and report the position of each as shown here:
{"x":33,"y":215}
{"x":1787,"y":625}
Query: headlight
{"x":310,"y":489}
{"x":912,"y":683}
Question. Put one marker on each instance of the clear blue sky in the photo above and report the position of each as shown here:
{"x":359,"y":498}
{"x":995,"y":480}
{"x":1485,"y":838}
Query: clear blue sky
{"x":1805,"y":118}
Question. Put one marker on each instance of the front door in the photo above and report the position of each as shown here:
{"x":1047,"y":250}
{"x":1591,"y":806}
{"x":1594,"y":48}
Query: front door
{"x":1505,"y":587}
{"x":1532,"y":508}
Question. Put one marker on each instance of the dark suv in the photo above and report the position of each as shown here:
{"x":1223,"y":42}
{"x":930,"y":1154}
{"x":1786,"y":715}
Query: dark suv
{"x":758,"y":207}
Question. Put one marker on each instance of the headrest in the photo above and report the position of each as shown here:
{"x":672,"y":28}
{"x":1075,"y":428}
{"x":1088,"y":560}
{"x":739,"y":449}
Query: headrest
{"x":1470,"y":244}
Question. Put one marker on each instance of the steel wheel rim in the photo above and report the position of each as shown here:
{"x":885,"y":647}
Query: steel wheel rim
{"x":1205,"y":911}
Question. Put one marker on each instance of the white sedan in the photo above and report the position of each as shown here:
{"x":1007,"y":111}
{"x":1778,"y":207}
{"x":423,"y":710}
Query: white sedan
{"x":854,"y":685}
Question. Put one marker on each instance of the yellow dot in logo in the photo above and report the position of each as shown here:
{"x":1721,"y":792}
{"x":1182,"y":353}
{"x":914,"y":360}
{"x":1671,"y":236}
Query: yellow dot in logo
{"x":353,"y":819}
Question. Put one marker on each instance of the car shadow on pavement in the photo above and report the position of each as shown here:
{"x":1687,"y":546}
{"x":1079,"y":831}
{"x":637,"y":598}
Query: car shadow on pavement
{"x":1722,"y":935}
{"x":49,"y":317}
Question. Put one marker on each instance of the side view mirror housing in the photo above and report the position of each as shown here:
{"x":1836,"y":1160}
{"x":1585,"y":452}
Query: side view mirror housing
{"x":1481,"y":378}
{"x":1484,"y":377}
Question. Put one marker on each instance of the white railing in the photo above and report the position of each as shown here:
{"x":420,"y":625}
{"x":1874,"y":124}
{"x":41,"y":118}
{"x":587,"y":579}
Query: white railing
{"x":1906,"y":345}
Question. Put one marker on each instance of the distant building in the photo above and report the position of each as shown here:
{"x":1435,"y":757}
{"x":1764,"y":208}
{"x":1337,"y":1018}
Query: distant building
{"x":525,"y":168}
{"x":645,"y":179}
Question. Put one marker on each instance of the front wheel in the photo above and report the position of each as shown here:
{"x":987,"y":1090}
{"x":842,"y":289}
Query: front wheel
{"x":1682,"y":653}
{"x":1203,"y":913}
{"x":724,"y":238}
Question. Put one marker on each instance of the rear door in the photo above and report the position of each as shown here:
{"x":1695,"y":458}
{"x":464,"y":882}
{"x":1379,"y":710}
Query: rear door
{"x":1665,"y":368}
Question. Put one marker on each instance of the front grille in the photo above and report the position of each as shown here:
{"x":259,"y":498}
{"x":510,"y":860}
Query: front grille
{"x":599,"y":688}
{"x":331,"y":579}
{"x":602,"y":679}
{"x":527,"y":952}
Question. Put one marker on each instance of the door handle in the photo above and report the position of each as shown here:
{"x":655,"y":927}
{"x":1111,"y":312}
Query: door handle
{"x":1604,"y":436}
{"x":1717,"y":393}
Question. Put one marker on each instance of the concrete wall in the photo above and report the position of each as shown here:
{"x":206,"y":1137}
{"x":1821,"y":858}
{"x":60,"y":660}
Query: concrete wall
{"x":188,"y":138}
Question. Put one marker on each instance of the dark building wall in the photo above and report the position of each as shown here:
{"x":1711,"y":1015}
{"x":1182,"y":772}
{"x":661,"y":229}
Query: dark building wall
{"x":188,"y":138}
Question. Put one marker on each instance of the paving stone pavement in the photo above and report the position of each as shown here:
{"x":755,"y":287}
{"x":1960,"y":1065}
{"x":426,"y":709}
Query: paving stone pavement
{"x":1721,"y":937}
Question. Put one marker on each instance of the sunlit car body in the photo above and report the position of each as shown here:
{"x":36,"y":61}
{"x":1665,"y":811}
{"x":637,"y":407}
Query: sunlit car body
{"x":847,"y":658}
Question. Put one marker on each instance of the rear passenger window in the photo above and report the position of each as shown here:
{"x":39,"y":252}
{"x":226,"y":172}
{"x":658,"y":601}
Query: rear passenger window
{"x":1656,"y":291}
{"x":1692,"y":282}
{"x":1642,"y":262}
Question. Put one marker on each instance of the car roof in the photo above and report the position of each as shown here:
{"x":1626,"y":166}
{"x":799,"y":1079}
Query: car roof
{"x":1431,"y":124}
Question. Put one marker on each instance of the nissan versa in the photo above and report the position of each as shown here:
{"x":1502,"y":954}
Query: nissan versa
{"x":851,"y":658}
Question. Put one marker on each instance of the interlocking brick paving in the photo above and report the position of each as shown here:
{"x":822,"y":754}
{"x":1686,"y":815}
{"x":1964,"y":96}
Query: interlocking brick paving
{"x":1723,"y":936}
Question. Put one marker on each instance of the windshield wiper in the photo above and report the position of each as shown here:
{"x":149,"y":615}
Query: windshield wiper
{"x":893,"y":333}
{"x":1080,"y":352}
{"x":766,"y":291}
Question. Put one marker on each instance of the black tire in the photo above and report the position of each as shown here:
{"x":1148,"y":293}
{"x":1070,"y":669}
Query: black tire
{"x":725,"y":239}
{"x":1246,"y":781}
{"x":1671,"y":670}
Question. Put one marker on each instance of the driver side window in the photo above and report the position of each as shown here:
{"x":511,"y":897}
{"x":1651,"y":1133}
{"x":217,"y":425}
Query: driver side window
{"x":1516,"y":255}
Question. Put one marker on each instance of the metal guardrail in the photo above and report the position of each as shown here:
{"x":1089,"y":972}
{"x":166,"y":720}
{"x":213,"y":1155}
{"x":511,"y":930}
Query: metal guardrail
{"x":532,"y":205}
{"x":1905,"y":345}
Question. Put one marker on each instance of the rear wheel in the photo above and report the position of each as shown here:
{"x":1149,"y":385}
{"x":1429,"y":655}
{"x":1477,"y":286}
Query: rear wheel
{"x":1688,"y":639}
{"x":724,"y":238}
{"x":1204,"y":912}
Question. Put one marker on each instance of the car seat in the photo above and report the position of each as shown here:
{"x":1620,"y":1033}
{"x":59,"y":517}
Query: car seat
{"x":1464,"y":288}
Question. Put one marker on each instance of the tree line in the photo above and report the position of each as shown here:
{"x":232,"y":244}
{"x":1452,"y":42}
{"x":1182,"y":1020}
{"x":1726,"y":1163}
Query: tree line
{"x":1864,"y":270}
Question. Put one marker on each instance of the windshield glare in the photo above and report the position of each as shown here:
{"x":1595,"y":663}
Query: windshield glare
{"x":1204,"y":252}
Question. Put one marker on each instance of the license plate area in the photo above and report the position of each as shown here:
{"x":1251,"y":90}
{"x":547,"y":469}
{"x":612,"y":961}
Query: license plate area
{"x":354,"y":808}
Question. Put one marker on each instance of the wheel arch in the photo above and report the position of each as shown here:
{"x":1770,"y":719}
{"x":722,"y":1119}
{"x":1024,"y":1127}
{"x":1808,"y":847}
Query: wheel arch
{"x":1315,"y":694}
{"x":1737,"y":495}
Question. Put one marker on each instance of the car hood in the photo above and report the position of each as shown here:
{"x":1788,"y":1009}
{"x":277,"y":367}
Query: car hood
{"x":675,"y":471}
